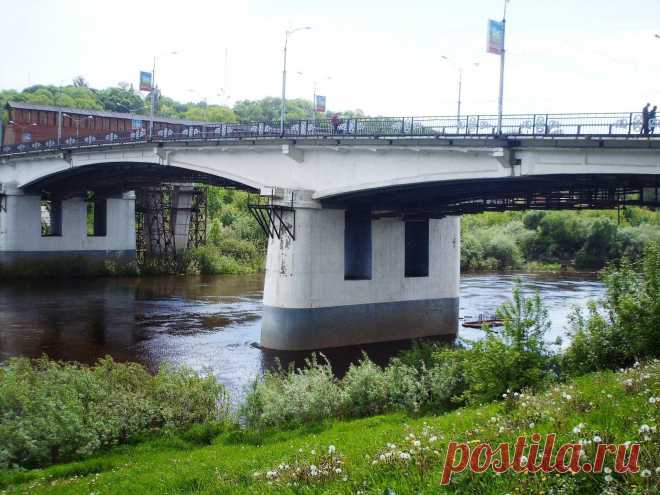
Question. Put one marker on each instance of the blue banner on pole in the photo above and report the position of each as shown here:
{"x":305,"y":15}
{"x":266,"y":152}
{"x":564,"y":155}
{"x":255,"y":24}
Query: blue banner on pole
{"x":145,"y":81}
{"x":319,"y":104}
{"x":495,"y":37}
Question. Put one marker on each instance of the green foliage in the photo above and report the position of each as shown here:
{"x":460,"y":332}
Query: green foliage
{"x":52,"y":411}
{"x":625,"y":326}
{"x":541,"y":239}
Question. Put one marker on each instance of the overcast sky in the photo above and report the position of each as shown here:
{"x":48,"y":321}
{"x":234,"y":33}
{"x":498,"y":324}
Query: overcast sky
{"x":383,"y":56}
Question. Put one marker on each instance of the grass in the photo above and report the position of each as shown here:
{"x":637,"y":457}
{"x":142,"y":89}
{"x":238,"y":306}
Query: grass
{"x":205,"y":460}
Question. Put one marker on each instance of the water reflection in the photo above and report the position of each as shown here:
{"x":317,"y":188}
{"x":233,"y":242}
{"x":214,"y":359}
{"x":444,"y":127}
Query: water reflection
{"x":210,"y":323}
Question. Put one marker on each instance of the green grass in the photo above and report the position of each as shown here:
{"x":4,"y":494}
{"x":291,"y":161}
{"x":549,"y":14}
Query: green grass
{"x":196,"y":462}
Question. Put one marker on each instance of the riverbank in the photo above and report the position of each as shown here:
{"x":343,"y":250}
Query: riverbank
{"x":616,"y":407}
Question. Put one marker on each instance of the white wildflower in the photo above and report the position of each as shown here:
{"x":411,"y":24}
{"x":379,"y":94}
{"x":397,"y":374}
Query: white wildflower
{"x":644,"y":429}
{"x":645,"y":473}
{"x":597,"y":439}
{"x":331,"y":449}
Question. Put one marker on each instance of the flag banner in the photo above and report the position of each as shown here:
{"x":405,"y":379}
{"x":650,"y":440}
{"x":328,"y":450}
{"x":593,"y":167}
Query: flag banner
{"x":319,"y":104}
{"x":145,"y":81}
{"x":495,"y":37}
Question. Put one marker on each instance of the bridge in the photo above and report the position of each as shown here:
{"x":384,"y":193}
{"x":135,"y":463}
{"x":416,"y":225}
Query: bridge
{"x":362,"y":217}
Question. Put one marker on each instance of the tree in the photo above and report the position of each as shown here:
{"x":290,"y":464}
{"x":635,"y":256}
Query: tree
{"x":80,"y":82}
{"x":121,"y":100}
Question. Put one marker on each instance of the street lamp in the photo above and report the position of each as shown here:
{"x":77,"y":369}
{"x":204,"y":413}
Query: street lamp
{"x":77,"y":121}
{"x":22,"y":127}
{"x":153,"y":91}
{"x":283,"y":107}
{"x":460,"y":86}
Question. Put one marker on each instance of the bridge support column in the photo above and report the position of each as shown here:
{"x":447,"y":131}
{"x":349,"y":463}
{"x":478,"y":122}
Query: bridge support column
{"x":349,"y":280}
{"x":31,"y":230}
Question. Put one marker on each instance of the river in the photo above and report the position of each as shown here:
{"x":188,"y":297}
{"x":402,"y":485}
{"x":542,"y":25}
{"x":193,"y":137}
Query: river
{"x":212,"y":323}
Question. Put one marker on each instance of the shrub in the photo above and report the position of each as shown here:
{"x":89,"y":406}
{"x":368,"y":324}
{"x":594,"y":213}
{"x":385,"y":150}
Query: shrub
{"x":625,"y":326}
{"x":51,"y":411}
{"x":365,"y":389}
{"x":296,"y":396}
{"x":406,"y":389}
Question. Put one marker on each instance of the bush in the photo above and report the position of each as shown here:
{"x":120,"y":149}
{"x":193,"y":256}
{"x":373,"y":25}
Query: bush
{"x":365,"y":389}
{"x":51,"y":411}
{"x":296,"y":396}
{"x":625,"y":326}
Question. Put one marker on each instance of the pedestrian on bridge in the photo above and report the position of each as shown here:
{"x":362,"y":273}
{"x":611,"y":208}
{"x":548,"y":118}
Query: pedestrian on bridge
{"x":336,"y":122}
{"x":652,"y":119}
{"x":645,"y":119}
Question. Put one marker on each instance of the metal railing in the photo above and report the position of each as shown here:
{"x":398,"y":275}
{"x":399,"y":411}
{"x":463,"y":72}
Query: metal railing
{"x":523,"y":125}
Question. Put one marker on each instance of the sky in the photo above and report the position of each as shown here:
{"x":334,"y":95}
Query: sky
{"x":384,"y":57}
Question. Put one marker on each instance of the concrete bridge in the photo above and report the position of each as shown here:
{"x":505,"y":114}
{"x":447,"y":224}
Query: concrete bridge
{"x":364,"y":237}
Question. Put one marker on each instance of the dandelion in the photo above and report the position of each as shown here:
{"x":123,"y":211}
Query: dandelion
{"x":404,"y":456}
{"x":532,"y":424}
{"x":608,"y":478}
{"x":313,"y":470}
{"x":597,"y":439}
{"x":338,"y":470}
{"x":653,"y":400}
{"x":331,"y":449}
{"x":645,"y":473}
{"x":607,"y":470}
{"x":433,"y":439}
{"x":417,"y":443}
{"x":644,"y":429}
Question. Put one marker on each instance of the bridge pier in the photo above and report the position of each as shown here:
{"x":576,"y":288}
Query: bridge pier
{"x":347,"y":279}
{"x":34,"y":227}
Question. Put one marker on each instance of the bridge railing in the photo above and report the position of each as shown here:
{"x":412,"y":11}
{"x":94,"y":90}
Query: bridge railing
{"x":523,"y":125}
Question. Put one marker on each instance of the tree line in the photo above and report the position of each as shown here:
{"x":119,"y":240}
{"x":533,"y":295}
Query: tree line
{"x":125,"y":98}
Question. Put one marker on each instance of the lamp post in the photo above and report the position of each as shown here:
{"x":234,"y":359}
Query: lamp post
{"x":460,"y":87}
{"x":22,"y":127}
{"x":283,"y":103}
{"x":153,"y":91}
{"x":77,"y":121}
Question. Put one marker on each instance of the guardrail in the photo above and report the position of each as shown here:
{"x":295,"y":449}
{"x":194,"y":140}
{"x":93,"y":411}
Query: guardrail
{"x":523,"y":125}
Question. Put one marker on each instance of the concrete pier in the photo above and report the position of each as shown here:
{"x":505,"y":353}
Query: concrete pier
{"x":22,"y":235}
{"x":343,"y":283}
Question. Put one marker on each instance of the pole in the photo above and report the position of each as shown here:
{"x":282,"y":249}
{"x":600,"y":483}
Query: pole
{"x":314,"y":106}
{"x":283,"y":103}
{"x":153,"y":100}
{"x":501,"y":95}
{"x":458,"y":109}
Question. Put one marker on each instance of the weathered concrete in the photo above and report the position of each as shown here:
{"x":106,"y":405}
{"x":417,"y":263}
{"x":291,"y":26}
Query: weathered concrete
{"x":309,"y":305}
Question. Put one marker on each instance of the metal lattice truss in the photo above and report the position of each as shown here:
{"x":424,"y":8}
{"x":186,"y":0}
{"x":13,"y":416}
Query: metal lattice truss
{"x":275,"y":219}
{"x":155,"y":215}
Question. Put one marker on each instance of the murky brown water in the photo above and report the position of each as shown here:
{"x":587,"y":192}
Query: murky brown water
{"x":210,"y":322}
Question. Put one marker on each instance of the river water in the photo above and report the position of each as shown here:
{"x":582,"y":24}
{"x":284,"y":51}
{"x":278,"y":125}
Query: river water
{"x":212,"y":323}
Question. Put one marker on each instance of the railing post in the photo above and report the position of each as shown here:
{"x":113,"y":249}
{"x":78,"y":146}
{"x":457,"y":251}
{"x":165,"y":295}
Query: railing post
{"x":630,"y":124}
{"x":477,"y":124}
{"x":403,"y":125}
{"x":412,"y":126}
{"x":546,"y":124}
{"x":534,"y":124}
{"x":579,"y":128}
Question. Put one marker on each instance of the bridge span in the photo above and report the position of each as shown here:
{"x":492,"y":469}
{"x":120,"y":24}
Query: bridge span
{"x":364,"y":235}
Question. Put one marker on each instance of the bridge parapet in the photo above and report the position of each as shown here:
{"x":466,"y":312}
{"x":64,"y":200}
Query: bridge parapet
{"x":622,"y":125}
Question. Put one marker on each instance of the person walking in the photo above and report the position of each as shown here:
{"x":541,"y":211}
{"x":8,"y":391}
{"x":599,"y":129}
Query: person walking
{"x":335,"y":121}
{"x":651,"y":125}
{"x":645,"y":119}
